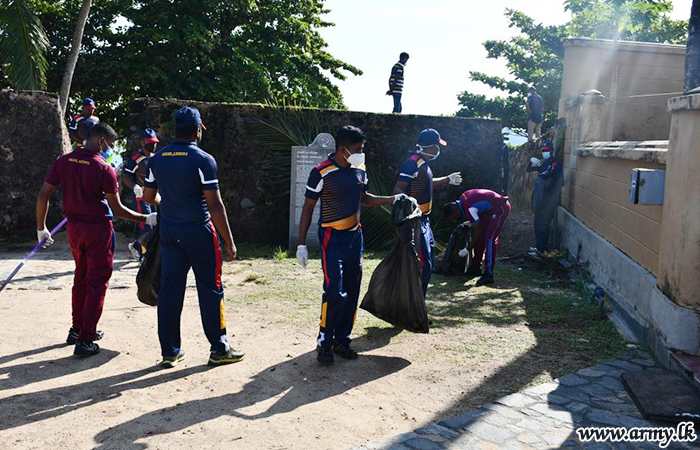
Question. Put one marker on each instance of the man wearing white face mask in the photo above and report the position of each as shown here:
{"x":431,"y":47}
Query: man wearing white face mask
{"x":545,"y":194}
{"x":416,"y":179}
{"x":340,"y":183}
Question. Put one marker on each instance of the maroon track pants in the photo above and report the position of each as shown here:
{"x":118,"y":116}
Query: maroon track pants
{"x":92,"y":245}
{"x":489,"y":245}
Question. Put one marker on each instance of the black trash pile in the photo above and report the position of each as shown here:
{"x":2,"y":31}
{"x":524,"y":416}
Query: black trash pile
{"x":149,"y":275}
{"x":395,"y":292}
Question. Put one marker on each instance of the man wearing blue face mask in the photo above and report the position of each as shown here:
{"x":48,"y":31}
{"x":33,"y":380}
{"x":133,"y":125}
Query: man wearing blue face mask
{"x":416,"y":179}
{"x":340,"y":183}
{"x":545,"y":195}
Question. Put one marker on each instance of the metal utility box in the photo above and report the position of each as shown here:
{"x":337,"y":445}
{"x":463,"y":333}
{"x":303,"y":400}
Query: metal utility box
{"x":647,"y":186}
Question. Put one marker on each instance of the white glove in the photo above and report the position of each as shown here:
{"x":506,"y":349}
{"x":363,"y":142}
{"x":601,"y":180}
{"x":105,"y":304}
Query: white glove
{"x":302,"y":256}
{"x":463,"y":253}
{"x":455,"y":178}
{"x":535,"y":162}
{"x":44,"y":234}
{"x":152,"y":219}
{"x":138,"y":192}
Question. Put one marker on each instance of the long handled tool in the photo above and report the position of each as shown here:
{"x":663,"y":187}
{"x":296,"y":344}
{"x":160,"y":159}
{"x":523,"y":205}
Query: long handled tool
{"x":31,"y":254}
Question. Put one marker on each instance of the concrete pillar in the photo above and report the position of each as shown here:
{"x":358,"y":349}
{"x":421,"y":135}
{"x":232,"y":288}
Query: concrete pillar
{"x":679,"y":250}
{"x":584,"y":116}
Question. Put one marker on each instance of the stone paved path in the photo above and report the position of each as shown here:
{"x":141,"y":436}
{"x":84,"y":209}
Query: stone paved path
{"x":543,"y":417}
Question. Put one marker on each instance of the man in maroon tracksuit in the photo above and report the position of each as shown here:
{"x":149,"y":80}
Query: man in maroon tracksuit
{"x":90,"y":194}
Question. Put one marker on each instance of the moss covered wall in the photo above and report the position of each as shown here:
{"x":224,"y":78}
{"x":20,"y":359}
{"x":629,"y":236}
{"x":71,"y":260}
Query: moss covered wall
{"x":257,"y":195}
{"x":32,"y":136}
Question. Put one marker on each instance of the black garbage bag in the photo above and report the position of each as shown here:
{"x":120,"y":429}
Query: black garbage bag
{"x":149,"y":275}
{"x":449,"y":263}
{"x":395,"y":292}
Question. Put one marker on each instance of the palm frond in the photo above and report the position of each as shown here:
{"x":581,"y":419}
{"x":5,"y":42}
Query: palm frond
{"x":23,"y":45}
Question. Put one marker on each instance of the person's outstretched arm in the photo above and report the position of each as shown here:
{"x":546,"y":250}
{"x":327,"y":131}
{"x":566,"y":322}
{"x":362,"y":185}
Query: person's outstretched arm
{"x":371,"y":200}
{"x":122,"y":211}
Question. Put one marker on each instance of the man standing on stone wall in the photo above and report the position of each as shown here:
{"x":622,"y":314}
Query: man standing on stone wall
{"x":416,"y":179}
{"x":535,"y":113}
{"x":340,"y":183}
{"x":133,"y":177}
{"x":191,"y":214}
{"x":396,"y":82}
{"x":90,"y":195}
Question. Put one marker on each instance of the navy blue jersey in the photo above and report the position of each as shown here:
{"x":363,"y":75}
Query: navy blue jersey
{"x":552,"y":169}
{"x":340,"y":190}
{"x":182,"y":172}
{"x":416,"y":172}
{"x":396,"y":79}
{"x":136,"y":167}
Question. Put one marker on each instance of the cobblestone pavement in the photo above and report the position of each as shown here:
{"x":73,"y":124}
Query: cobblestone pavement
{"x":543,"y":417}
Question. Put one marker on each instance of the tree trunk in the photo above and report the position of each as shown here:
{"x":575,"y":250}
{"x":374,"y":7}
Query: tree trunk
{"x":73,"y":55}
{"x":692,"y":50}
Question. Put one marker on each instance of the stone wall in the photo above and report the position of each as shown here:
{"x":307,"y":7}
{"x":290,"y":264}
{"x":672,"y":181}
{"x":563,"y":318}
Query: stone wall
{"x":257,"y":194}
{"x":32,"y":136}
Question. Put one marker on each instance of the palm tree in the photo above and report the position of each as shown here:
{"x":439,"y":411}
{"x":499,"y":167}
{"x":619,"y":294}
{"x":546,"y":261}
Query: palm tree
{"x":23,"y":45}
{"x":73,"y":55}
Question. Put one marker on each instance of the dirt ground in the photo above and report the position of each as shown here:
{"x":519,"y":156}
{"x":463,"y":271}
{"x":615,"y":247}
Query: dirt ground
{"x":484,"y":342}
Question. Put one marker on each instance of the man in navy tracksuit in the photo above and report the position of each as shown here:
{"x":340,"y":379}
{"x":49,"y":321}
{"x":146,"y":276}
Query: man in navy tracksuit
{"x":545,"y":194}
{"x":416,"y":180}
{"x":340,"y":183}
{"x":191,"y":212}
{"x":133,"y":177}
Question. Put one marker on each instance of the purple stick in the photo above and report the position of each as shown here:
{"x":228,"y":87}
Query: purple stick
{"x":31,"y":254}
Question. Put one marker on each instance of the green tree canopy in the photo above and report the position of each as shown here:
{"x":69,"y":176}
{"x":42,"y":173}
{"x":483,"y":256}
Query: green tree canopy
{"x":536,"y":55}
{"x":23,"y":45}
{"x":211,"y":50}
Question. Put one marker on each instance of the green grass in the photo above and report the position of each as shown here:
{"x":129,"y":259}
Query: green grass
{"x":521,"y":319}
{"x":280,"y":254}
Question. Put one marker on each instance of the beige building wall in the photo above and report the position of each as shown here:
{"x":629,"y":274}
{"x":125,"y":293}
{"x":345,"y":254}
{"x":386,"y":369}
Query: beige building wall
{"x":597,"y":193}
{"x":623,"y":71}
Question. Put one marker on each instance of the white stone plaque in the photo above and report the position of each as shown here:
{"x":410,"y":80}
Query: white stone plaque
{"x":304,"y":159}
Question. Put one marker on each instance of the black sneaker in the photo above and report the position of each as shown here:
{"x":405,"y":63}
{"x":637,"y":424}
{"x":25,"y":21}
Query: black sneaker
{"x":86,"y":348}
{"x":230,"y":357}
{"x":325,"y":356}
{"x":172,"y":361}
{"x":73,"y":334}
{"x":487,"y":278}
{"x":344,"y":351}
{"x":474,"y":272}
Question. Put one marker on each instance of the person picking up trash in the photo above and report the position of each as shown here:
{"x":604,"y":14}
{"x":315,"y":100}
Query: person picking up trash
{"x":487,"y":211}
{"x":416,"y":180}
{"x":546,"y":195}
{"x":133,"y":177}
{"x":341,"y":184}
{"x":90,"y":194}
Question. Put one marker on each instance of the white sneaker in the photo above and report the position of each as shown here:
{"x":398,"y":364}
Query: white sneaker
{"x":134,"y":253}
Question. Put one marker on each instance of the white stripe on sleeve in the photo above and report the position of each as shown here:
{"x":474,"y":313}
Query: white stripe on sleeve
{"x":318,"y":188}
{"x":204,"y":181}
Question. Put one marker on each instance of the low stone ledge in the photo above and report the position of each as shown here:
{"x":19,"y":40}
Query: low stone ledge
{"x":647,"y":151}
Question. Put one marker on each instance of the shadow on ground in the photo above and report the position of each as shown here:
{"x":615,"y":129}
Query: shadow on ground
{"x":297,"y":382}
